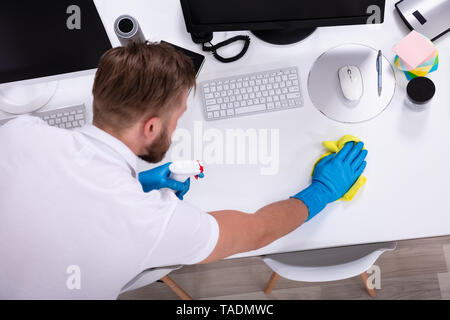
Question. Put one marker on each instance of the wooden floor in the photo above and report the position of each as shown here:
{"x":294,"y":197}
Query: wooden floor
{"x":417,"y":269}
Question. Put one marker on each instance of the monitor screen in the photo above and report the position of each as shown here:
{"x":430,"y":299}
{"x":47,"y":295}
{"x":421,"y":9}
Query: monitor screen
{"x":37,"y":41}
{"x":218,"y":15}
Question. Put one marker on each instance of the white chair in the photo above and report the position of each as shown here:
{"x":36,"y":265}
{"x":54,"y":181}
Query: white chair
{"x":329,"y":264}
{"x":152,"y":275}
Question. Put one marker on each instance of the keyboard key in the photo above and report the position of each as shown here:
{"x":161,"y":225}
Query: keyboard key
{"x":213,"y":108}
{"x":255,"y":108}
{"x":293,"y":95}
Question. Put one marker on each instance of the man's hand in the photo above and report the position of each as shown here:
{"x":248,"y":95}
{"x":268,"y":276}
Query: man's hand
{"x":158,"y":178}
{"x":333,"y":176}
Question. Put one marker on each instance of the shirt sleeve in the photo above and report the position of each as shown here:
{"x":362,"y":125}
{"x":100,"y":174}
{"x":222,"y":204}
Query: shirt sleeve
{"x":189,"y":237}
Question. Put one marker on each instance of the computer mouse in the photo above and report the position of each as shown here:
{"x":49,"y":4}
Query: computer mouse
{"x":351,"y":83}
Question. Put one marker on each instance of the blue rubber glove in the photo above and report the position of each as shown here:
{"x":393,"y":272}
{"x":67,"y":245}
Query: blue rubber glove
{"x":158,"y":178}
{"x":333,"y":176}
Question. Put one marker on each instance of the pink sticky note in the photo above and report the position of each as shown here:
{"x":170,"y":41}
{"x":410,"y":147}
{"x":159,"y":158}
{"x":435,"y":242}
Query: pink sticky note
{"x":414,"y":50}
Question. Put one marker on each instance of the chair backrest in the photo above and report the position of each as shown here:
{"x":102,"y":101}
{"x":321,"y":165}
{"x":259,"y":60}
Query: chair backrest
{"x":328,"y":264}
{"x":148,"y":276}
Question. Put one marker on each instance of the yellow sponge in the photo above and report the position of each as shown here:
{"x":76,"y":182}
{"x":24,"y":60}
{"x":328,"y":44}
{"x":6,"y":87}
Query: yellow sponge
{"x":335,"y":147}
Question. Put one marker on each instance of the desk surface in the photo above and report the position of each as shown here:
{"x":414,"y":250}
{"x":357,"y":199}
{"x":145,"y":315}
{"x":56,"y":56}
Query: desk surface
{"x":406,"y":195}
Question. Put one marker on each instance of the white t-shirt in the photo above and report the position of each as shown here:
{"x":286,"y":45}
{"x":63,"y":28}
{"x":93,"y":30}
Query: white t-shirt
{"x":74,"y":221}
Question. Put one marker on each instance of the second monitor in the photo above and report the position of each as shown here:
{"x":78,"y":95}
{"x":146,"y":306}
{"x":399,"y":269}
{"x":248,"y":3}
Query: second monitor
{"x":277,"y":22}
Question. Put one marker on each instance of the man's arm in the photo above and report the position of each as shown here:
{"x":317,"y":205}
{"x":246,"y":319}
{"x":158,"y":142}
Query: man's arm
{"x":332,"y":178}
{"x":241,"y":232}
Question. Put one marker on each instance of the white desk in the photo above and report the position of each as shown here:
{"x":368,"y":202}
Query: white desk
{"x":406,"y":195}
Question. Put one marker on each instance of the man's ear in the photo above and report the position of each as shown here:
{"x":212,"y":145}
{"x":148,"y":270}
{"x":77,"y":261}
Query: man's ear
{"x":152,"y":128}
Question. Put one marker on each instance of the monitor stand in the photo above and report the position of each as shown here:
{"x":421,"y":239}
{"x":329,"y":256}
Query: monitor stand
{"x":23,"y":99}
{"x":284,"y":36}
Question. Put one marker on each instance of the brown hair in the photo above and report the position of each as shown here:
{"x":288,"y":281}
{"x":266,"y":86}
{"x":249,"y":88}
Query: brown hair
{"x":142,"y":79}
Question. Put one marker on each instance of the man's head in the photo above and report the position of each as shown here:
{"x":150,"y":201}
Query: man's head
{"x":140,"y":92}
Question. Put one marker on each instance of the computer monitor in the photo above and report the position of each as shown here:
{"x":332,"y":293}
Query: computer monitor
{"x":276,"y":21}
{"x":43,"y":41}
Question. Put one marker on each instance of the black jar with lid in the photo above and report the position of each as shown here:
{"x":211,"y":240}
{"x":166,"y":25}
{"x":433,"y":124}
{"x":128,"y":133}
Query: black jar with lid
{"x":420,"y":91}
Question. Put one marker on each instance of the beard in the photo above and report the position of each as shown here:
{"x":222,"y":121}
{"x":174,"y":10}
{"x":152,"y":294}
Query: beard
{"x":156,"y":151}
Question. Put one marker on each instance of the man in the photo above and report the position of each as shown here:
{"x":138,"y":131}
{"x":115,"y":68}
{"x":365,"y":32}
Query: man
{"x":75,"y":221}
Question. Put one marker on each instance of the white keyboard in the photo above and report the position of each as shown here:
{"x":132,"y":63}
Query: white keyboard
{"x":66,"y":118}
{"x":252,"y":93}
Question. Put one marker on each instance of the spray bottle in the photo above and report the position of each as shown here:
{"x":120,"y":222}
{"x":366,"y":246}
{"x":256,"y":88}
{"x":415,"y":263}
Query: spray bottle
{"x":183,"y":170}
